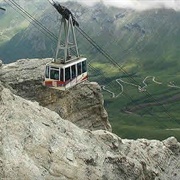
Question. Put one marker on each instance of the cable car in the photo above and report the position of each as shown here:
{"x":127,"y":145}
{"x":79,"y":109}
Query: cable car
{"x":65,"y":76}
{"x":66,"y":70}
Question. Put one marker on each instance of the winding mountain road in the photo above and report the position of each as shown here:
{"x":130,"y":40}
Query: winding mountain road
{"x":112,"y":93}
{"x":171,"y":84}
{"x":140,"y":88}
{"x":153,"y":79}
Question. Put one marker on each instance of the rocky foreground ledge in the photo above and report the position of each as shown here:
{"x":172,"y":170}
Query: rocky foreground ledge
{"x":37,"y":143}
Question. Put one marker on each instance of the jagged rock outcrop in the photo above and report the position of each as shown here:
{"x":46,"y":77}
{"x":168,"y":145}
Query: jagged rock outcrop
{"x":36,"y":143}
{"x":83,"y":104}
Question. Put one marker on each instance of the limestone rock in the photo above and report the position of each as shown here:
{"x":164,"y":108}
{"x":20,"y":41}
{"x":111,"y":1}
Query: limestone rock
{"x":36,"y":143}
{"x":83,"y":104}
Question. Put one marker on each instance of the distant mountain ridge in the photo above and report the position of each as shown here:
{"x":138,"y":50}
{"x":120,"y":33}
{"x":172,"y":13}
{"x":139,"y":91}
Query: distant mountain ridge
{"x":125,"y":34}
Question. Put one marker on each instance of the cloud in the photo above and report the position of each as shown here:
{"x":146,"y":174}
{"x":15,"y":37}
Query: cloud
{"x":135,"y":4}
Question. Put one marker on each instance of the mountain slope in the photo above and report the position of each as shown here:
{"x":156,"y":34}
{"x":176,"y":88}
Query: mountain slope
{"x":147,"y":39}
{"x":12,"y":20}
{"x":143,"y":43}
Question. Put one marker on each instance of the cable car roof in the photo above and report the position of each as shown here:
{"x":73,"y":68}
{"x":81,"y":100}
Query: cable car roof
{"x":73,"y":62}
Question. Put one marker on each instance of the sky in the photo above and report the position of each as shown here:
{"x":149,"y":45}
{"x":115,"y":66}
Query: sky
{"x":135,"y":4}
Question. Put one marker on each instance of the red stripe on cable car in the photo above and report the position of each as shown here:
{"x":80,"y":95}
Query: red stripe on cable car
{"x":48,"y":83}
{"x":60,"y":83}
{"x":85,"y":77}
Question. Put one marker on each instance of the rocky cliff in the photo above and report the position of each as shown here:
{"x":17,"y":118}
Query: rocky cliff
{"x":36,"y":143}
{"x":83,"y":104}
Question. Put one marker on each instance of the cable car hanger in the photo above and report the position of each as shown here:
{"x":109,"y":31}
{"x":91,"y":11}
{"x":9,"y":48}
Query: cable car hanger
{"x":67,"y":30}
{"x":66,"y":70}
{"x":65,"y":12}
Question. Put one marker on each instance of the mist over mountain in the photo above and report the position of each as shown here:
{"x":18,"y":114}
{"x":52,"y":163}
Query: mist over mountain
{"x":137,"y":4}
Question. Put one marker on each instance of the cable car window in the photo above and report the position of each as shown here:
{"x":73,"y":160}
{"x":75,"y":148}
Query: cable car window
{"x":84,"y":68}
{"x":47,"y":72}
{"x":73,"y":70}
{"x":54,"y":74}
{"x":67,"y":73}
{"x":79,"y":68}
{"x":62,"y":75}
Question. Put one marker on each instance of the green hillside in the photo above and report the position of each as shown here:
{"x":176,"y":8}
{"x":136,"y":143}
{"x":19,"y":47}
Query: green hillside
{"x":145,"y":45}
{"x":12,"y":21}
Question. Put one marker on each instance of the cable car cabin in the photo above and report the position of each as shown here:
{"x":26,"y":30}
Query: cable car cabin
{"x":64,"y":76}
